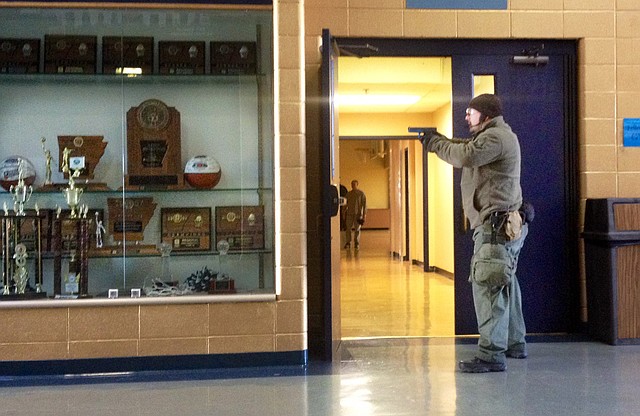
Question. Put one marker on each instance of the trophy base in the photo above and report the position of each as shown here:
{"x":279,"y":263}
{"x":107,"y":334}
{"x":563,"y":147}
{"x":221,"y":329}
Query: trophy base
{"x":94,"y":186}
{"x":87,"y":186}
{"x":119,"y":250}
{"x":72,"y":296}
{"x":222,"y":287}
{"x":24,"y":296}
{"x":53,"y":187}
{"x":151,"y":182}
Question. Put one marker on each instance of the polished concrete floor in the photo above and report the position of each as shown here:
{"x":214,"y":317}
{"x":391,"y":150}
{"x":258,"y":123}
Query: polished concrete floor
{"x":385,"y":374}
{"x":374,"y":377}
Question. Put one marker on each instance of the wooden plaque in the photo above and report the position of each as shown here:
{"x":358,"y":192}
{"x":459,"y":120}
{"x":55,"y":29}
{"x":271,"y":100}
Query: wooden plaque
{"x":187,"y":229}
{"x":222,"y":286}
{"x":70,"y":54}
{"x":154,"y":154}
{"x":69,"y":240}
{"x":241,"y":226}
{"x":120,"y":52}
{"x":233,"y":58}
{"x":91,"y":148}
{"x":128,"y":219}
{"x":19,"y":56}
{"x":181,"y":57}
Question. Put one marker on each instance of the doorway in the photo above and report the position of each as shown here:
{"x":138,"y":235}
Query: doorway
{"x":540,"y":105}
{"x":386,"y":282}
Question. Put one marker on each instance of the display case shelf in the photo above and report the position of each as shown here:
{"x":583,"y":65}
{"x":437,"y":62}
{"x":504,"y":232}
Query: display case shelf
{"x":227,"y":117}
{"x":40,"y":78}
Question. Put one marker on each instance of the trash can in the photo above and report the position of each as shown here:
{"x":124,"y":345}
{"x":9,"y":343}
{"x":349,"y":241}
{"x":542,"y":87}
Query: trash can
{"x":612,"y":267}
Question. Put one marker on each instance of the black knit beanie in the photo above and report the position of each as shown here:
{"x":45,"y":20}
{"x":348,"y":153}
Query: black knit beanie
{"x":488,"y":104}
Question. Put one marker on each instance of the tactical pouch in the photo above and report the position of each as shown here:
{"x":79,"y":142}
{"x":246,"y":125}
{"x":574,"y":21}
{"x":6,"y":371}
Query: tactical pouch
{"x":513,"y":225}
{"x":491,"y":265}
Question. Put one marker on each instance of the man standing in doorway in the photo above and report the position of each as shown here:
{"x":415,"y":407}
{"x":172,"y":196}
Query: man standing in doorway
{"x":492,"y":198}
{"x":355,"y":215}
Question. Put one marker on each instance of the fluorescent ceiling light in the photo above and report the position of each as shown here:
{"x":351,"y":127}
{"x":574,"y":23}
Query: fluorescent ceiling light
{"x":376,"y":99}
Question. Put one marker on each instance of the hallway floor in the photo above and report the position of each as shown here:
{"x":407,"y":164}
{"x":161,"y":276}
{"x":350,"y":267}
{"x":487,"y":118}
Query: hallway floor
{"x":385,"y":374}
{"x":386,"y":297}
{"x":374,"y":377}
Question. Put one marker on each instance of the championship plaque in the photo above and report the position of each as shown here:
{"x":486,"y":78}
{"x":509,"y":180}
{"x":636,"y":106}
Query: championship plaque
{"x":129,"y":217}
{"x":19,"y":56}
{"x":233,"y":58}
{"x":187,"y":229}
{"x":69,"y":54}
{"x":29,"y":230}
{"x":127,"y":55}
{"x":84,"y":154}
{"x":68,"y":228}
{"x":154,"y":157}
{"x":241,"y":226}
{"x":181,"y":57}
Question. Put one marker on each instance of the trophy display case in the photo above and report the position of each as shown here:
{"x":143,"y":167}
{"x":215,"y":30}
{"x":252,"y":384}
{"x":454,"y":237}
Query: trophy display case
{"x":109,"y":208}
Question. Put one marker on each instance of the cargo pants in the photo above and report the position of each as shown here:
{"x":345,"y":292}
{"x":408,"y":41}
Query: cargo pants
{"x":499,"y":308}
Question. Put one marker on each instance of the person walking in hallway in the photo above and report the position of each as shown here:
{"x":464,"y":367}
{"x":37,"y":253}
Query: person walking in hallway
{"x":492,"y":199}
{"x":355,"y":214}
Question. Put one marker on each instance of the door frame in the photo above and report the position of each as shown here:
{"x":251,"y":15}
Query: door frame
{"x":400,"y":47}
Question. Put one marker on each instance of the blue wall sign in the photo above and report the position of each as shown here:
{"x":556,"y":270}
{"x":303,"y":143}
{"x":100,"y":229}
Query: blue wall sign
{"x":631,"y":132}
{"x":457,"y":4}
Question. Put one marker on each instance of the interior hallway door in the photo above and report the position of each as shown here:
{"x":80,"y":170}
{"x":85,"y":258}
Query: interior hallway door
{"x":539,"y":107}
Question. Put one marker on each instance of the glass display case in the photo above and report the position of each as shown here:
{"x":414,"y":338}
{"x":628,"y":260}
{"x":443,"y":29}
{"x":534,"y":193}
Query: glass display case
{"x":137,"y":152}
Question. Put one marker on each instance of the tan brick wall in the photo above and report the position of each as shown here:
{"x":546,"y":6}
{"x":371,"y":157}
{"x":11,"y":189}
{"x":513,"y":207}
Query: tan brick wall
{"x":146,"y":330}
{"x":609,"y":63}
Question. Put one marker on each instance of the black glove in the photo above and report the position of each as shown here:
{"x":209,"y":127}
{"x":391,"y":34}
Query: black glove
{"x":527,"y":211}
{"x":429,"y":140}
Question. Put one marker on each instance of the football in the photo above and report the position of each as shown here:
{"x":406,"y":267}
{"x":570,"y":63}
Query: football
{"x":202,"y":172}
{"x":9,"y":172}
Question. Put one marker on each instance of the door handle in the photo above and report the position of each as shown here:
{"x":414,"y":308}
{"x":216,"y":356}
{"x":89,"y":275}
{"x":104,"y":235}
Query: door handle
{"x":334,"y":198}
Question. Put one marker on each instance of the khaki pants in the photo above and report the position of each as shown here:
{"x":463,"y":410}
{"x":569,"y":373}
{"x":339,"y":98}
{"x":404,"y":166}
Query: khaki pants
{"x":351,"y":222}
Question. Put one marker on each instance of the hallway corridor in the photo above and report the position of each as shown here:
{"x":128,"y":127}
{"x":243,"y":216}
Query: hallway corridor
{"x":387,"y":297}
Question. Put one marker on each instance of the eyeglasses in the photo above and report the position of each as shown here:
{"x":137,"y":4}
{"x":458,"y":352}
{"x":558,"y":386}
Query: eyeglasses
{"x":470,"y":111}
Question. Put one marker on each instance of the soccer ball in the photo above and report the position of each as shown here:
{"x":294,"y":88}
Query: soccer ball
{"x":202,"y":172}
{"x":9,"y":172}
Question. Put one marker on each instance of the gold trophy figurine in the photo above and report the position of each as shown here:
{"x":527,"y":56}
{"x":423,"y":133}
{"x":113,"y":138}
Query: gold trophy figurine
{"x":48,"y":158}
{"x":71,"y":193}
{"x":20,"y":192}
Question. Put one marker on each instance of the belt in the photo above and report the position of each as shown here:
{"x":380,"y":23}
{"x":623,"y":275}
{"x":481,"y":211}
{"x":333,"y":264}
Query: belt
{"x":497,"y":235}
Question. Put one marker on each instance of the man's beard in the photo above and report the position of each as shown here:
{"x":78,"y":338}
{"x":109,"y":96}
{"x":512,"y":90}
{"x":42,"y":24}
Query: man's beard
{"x":475,"y":128}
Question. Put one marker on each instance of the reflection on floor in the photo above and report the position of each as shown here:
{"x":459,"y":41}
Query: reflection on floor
{"x":375,"y":377}
{"x":387,"y":297}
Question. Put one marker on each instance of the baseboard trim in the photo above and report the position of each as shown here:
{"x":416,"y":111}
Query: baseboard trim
{"x":157,"y":368}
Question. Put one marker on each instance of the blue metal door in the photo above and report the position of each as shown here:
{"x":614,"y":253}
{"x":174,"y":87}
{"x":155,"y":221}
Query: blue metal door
{"x":538,"y":105}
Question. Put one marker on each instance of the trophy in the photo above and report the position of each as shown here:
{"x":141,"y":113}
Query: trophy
{"x":222,"y":283}
{"x":20,"y":192}
{"x":20,"y":242}
{"x":48,"y":159}
{"x":154,"y":147}
{"x":21,"y":273}
{"x":74,"y":281}
{"x":84,"y":154}
{"x":71,"y":193}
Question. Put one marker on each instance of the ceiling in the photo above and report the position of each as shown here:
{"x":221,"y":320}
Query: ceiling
{"x":427,"y":78}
